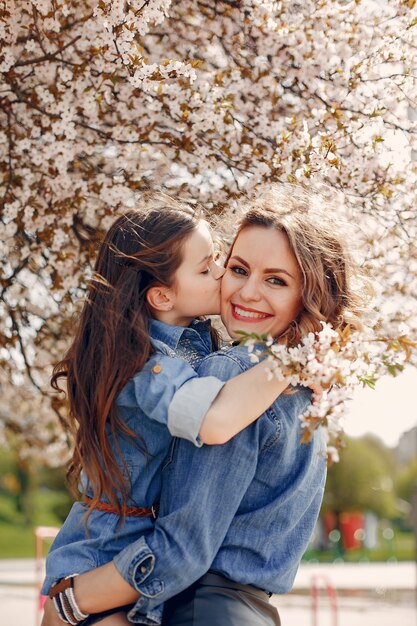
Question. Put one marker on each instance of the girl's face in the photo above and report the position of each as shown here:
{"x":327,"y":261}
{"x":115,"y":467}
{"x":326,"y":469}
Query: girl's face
{"x":197,"y":285}
{"x":262,"y":286}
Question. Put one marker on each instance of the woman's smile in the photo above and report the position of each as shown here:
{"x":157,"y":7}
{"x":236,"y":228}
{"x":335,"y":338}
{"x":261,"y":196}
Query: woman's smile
{"x":241,"y":312}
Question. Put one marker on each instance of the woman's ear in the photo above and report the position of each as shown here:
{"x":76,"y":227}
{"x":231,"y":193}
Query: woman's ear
{"x":160,"y":298}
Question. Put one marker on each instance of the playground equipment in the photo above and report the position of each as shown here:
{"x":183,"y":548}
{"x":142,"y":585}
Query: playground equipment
{"x":41,"y":534}
{"x":331,"y":595}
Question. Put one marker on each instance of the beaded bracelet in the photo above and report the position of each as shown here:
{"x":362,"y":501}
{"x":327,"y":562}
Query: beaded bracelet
{"x":62,"y":595}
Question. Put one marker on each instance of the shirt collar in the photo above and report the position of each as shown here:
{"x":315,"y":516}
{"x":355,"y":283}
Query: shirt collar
{"x":172,"y":335}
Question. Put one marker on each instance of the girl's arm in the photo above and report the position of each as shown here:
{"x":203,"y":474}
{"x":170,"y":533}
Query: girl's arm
{"x":239,"y":403}
{"x":199,"y":409}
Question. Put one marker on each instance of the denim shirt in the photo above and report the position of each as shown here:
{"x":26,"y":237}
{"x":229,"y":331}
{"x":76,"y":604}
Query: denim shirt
{"x":245,"y":509}
{"x":145,"y":406}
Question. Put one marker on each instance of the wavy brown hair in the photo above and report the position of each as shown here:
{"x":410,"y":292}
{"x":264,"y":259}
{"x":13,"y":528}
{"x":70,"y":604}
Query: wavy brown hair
{"x":334,"y":290}
{"x":111,"y":343}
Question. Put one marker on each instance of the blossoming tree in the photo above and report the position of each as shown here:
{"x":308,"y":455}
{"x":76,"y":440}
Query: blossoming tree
{"x":102,"y":99}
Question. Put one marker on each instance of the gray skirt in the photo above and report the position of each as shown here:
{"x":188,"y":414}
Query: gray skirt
{"x":217,"y":601}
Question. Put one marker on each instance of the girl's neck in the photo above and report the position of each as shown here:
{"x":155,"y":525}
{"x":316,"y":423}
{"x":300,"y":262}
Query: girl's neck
{"x":171,"y":318}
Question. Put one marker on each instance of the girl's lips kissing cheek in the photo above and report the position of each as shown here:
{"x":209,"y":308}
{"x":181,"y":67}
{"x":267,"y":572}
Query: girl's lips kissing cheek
{"x":248,"y":315}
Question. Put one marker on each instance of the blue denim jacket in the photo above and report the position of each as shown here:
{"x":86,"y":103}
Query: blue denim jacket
{"x":145,"y":406}
{"x":245,"y":509}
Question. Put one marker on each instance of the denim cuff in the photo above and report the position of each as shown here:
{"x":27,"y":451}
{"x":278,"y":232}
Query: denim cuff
{"x":190,"y":405}
{"x":135,"y":563}
{"x":153,"y":617}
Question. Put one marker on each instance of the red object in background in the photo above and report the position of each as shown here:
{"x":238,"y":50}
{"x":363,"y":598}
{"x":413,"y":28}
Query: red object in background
{"x":351,"y":527}
{"x":329,"y":522}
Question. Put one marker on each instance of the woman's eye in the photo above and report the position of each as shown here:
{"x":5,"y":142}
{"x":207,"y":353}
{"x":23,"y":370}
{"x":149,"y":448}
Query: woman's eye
{"x":206,"y":271}
{"x":236,"y":269}
{"x":275,"y":280}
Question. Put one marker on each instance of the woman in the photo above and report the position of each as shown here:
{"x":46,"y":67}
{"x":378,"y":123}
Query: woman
{"x":244,"y":510}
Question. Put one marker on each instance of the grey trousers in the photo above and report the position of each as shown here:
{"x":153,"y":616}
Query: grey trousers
{"x":216,"y":601}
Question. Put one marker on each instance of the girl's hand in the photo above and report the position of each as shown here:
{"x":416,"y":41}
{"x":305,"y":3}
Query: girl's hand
{"x":50,"y":616}
{"x":317,"y":389}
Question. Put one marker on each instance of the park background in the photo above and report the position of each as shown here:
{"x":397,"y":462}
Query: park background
{"x":101,"y":101}
{"x":367,"y":513}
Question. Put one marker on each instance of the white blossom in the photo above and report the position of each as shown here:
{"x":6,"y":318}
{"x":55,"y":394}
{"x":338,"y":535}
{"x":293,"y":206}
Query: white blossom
{"x":335,"y":362}
{"x":207,"y":100}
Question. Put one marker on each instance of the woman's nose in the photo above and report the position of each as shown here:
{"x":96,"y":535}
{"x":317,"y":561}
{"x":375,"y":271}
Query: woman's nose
{"x":217,"y":270}
{"x":250,"y":290}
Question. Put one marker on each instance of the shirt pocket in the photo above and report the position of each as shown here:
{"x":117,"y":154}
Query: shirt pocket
{"x":272,"y":430}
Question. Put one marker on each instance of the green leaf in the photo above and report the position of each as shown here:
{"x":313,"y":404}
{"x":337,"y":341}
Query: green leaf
{"x":368,"y":381}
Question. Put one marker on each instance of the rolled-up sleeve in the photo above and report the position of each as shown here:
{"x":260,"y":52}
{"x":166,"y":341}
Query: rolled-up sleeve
{"x":163,"y":390}
{"x":185,"y":415}
{"x":201,"y":492}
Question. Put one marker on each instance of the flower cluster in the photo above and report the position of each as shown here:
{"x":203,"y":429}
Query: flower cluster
{"x":102,"y":99}
{"x":332,"y":362}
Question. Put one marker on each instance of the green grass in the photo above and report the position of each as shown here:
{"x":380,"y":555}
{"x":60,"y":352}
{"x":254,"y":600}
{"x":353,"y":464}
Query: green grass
{"x":17,"y":538}
{"x":401,"y":548}
{"x":16,"y":541}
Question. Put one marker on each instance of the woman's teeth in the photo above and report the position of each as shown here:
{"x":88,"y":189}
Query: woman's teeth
{"x":251,"y":314}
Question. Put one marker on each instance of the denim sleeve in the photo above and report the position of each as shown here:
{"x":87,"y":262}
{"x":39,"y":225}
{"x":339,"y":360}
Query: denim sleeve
{"x":201,"y":492}
{"x":168,"y":390}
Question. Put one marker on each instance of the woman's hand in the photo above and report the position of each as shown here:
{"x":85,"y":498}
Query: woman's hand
{"x":50,"y":616}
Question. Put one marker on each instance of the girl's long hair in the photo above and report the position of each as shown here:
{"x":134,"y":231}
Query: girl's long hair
{"x":141,"y":249}
{"x":334,"y":289}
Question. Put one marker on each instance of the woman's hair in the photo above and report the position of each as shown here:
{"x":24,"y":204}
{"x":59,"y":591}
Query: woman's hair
{"x":333,"y":290}
{"x":141,"y":249}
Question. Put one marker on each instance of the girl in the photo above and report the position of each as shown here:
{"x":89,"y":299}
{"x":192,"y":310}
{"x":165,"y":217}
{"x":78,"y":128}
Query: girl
{"x":155,"y":273}
{"x":244,"y":510}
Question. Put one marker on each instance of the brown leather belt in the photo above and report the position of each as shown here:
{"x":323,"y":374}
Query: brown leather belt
{"x":127,"y":511}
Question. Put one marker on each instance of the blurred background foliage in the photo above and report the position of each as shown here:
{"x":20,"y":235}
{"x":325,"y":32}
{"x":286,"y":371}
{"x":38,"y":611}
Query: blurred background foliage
{"x":367,"y":480}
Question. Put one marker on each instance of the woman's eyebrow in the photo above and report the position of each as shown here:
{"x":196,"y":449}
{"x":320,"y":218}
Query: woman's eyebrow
{"x":239,"y":259}
{"x":277,"y":270}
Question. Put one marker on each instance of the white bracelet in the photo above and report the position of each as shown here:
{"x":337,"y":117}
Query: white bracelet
{"x":60,"y":610}
{"x":78,"y":614}
{"x":62,"y":595}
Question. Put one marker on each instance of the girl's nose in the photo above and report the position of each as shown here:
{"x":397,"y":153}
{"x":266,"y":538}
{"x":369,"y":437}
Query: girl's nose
{"x":217,"y":270}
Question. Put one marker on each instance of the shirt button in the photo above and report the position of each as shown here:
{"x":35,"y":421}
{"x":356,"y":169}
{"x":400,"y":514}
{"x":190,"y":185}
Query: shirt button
{"x":157,"y":369}
{"x":143,"y":569}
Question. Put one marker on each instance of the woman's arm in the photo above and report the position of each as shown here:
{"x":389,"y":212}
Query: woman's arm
{"x":96,"y":591}
{"x":102,"y":589}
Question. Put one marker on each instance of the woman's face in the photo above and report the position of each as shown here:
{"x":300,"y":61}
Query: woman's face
{"x":262,"y":287}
